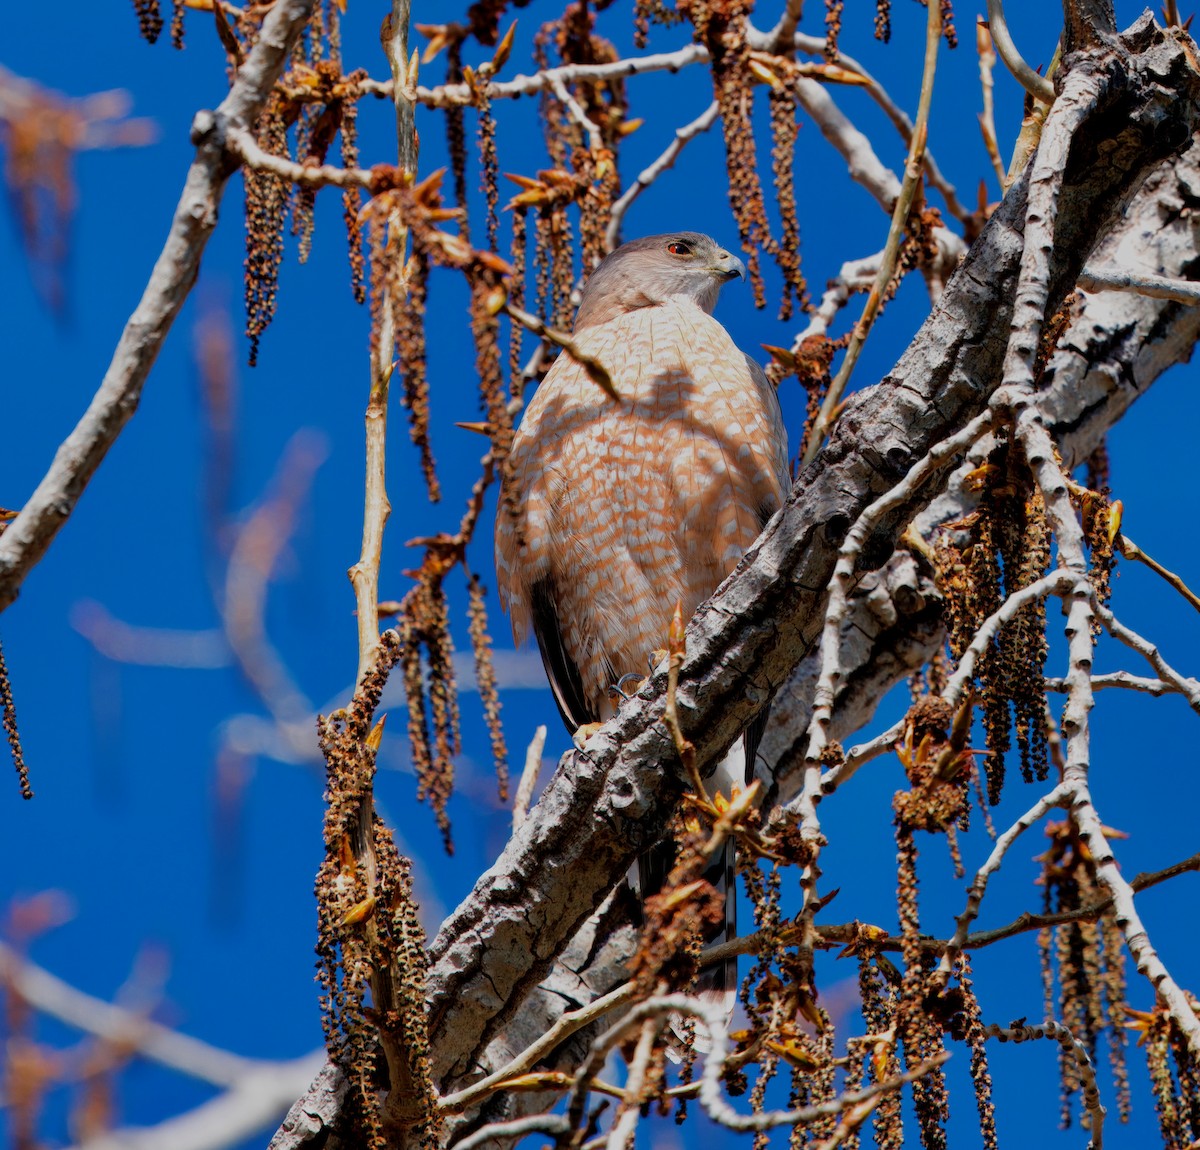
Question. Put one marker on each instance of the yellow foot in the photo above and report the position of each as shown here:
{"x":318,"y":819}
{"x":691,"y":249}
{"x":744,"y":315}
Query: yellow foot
{"x":584,"y":733}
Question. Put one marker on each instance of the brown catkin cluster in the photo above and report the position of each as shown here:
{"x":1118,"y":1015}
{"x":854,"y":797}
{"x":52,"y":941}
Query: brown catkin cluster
{"x":352,"y":197}
{"x":516,"y":295}
{"x":1097,"y":519}
{"x":948,"y":29}
{"x":919,"y":248}
{"x":433,"y":718}
{"x":672,"y":924}
{"x":409,"y":310}
{"x":833,"y":28}
{"x":981,"y":1076}
{"x":554,"y":265}
{"x":319,"y":102}
{"x":784,"y":129}
{"x":456,"y":135}
{"x":1086,"y":957}
{"x":484,"y":16}
{"x":917,"y":1021}
{"x":177,"y":7}
{"x":1008,"y":548}
{"x":485,"y":679}
{"x":603,"y":102}
{"x":877,"y":989}
{"x":1174,"y":1076}
{"x":1024,"y":542}
{"x":266,"y":210}
{"x":811,"y":362}
{"x":9,"y":711}
{"x":645,"y":11}
{"x":597,"y":175}
{"x":150,"y":21}
{"x":883,"y":20}
{"x":316,"y":127}
{"x":489,"y":159}
{"x":370,"y":943}
{"x":721,"y":27}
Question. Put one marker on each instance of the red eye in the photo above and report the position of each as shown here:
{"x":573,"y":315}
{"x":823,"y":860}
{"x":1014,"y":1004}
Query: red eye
{"x":678,"y":248}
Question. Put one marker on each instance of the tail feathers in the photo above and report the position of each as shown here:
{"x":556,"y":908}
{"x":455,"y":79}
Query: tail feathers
{"x":716,"y":984}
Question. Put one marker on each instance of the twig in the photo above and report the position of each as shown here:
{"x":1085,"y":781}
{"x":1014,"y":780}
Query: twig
{"x":711,"y":1017}
{"x":448,"y":95}
{"x":597,"y":372}
{"x":861,"y":754}
{"x":242,"y":144}
{"x":26,"y":539}
{"x":258,"y":544}
{"x":839,"y":597}
{"x":52,"y":996}
{"x":529,"y":776}
{"x":1157,"y":287}
{"x":839,"y":934}
{"x":863,"y":164}
{"x":1124,"y":679}
{"x":677,"y":650}
{"x":364,"y":575}
{"x":566,"y":1025}
{"x":259,"y":1098}
{"x":1038,"y":86}
{"x":625,"y":1125}
{"x":1132,"y":551}
{"x":1059,"y":582}
{"x":901,"y":122}
{"x":912,"y":177}
{"x":647,"y":176}
{"x":854,"y":276}
{"x":563,"y":95}
{"x":987,"y":118}
{"x":1016,"y":394}
{"x":1076,"y":1049}
{"x":975,"y":892}
{"x":780,"y":37}
{"x":1188,"y":687}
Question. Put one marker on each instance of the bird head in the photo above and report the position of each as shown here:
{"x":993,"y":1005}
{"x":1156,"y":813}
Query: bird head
{"x":686,"y":266}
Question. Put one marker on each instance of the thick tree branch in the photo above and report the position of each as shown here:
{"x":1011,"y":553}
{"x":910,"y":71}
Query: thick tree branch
{"x":611,"y":799}
{"x":606,"y":802}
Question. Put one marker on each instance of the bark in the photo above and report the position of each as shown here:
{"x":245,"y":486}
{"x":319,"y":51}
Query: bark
{"x":606,"y":803}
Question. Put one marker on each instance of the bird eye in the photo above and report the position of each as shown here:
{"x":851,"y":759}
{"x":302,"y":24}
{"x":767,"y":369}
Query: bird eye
{"x":679,"y":248}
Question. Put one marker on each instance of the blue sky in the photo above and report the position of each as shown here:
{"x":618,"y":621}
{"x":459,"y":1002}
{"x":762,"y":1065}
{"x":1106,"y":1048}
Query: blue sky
{"x":127,"y":818}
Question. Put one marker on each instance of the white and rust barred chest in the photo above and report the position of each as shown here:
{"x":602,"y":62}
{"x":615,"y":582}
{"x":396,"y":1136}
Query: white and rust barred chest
{"x":630,"y":508}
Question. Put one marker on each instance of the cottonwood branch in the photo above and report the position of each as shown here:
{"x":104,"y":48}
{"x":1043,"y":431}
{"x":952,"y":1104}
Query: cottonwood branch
{"x":26,"y":539}
{"x":608,"y":801}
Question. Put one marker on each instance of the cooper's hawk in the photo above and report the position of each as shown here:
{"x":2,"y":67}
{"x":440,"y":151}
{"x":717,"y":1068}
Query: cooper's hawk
{"x":614,"y":512}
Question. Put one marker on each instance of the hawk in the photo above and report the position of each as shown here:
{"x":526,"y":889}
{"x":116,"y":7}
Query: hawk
{"x":612,"y":512}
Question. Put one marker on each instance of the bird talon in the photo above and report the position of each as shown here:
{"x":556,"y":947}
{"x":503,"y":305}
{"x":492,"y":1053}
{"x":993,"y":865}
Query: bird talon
{"x":619,"y":686}
{"x":585,"y":732}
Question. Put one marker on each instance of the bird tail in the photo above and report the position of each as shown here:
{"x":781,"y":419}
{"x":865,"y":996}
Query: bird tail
{"x":716,"y":984}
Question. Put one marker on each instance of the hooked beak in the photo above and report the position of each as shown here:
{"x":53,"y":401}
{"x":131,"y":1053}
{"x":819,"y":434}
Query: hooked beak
{"x":728,"y":266}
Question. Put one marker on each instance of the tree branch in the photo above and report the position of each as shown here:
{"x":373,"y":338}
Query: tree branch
{"x":26,"y":539}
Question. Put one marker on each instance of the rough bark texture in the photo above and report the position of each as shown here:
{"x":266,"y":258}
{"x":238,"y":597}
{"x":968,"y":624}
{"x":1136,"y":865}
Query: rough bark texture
{"x":611,"y":800}
{"x":608,"y":802}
